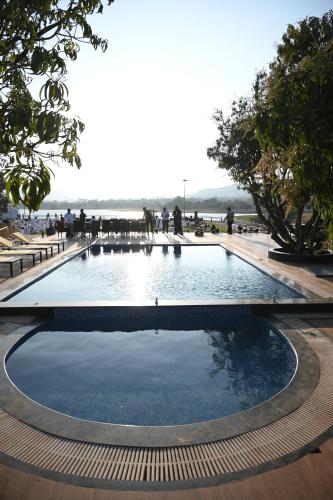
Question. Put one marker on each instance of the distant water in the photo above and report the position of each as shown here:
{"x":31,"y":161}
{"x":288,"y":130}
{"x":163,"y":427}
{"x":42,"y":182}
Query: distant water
{"x":121,"y":214}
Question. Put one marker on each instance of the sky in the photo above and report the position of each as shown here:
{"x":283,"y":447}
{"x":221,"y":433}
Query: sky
{"x":147,"y":103}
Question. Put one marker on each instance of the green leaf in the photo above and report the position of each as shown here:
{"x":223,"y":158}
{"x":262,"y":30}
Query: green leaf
{"x":37,"y":60}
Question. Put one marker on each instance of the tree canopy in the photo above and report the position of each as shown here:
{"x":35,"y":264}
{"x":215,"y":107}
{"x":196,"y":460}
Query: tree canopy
{"x":294,"y":106}
{"x":37,"y":39}
{"x":278,"y":143}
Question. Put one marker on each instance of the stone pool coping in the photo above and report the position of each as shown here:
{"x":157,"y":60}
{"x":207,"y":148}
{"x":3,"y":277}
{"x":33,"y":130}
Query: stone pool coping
{"x":14,"y":402}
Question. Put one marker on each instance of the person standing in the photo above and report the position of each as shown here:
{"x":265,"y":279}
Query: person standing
{"x":149,"y":220}
{"x":230,"y":219}
{"x":157,"y":223}
{"x":69,"y":221}
{"x":60,"y":224}
{"x":82,"y":221}
{"x":165,"y":216}
{"x":94,"y":227}
{"x":177,"y":220}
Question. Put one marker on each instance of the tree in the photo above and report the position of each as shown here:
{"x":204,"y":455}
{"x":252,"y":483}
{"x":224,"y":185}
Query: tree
{"x":294,"y":107}
{"x":3,"y":196}
{"x":278,"y":143}
{"x":37,"y":39}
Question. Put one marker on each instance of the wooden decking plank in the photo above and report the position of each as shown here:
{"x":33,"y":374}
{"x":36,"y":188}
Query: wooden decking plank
{"x":174,"y":464}
{"x":96,"y":460}
{"x":103,"y":461}
{"x":222,"y":459}
{"x":198,"y":458}
{"x":169,"y":467}
{"x":106,"y":472}
{"x":126,"y":463}
{"x":118,"y":465}
{"x":132,"y":465}
{"x":208,"y":465}
{"x":157,"y":465}
{"x":192,"y":470}
{"x":69,"y":460}
{"x":56,"y":453}
{"x":143,"y":467}
{"x":111,"y":471}
{"x":217,"y":458}
{"x":184,"y":462}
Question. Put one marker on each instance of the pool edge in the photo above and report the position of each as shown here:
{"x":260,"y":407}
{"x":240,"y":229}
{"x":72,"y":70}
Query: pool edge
{"x":302,"y":385}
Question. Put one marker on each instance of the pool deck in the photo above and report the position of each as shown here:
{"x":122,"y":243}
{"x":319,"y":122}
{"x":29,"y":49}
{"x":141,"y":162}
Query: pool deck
{"x":309,"y":477}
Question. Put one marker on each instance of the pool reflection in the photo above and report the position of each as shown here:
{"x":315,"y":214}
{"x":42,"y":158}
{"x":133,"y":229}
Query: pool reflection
{"x":153,"y":377}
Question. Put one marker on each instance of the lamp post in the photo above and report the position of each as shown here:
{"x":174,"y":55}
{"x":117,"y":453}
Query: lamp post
{"x":184,"y":181}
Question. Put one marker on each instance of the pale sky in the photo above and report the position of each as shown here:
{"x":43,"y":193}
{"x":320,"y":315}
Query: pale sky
{"x":147,"y":102}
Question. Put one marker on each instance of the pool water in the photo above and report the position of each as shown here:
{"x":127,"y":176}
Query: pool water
{"x":153,"y":377}
{"x":167,"y":272}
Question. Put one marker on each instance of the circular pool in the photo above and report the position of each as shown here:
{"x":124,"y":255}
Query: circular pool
{"x":153,"y":377}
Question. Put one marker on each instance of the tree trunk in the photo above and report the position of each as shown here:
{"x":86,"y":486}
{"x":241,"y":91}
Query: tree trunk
{"x":276,"y":226}
{"x":299,"y":233}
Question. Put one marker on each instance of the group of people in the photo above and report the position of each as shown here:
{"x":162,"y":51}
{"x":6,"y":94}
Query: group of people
{"x":68,"y":224}
{"x":152,"y":220}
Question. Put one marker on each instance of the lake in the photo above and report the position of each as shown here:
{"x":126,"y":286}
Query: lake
{"x":121,"y":214}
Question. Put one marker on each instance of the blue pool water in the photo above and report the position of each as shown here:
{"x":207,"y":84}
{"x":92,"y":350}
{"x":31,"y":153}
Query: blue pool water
{"x":167,"y":272}
{"x":154,"y":377}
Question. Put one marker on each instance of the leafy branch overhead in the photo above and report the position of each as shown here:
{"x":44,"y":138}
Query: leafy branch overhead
{"x":37,"y":39}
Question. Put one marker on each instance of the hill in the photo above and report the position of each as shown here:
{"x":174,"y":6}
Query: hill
{"x":202,"y":205}
{"x":230,"y":192}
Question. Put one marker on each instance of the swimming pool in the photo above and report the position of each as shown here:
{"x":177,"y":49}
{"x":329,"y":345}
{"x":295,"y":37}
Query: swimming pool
{"x":155,"y":377}
{"x":169,"y":272}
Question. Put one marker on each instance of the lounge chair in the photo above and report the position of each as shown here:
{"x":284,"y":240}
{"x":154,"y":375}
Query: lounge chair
{"x":28,"y":241}
{"x":11,"y":261}
{"x":28,"y":253}
{"x":9,"y":245}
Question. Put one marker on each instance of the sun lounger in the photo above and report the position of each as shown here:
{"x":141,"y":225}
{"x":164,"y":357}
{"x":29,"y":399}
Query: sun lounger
{"x":11,"y":246}
{"x":11,"y":261}
{"x":43,"y":248}
{"x":23,"y":252}
{"x":59,"y":243}
{"x":23,"y":239}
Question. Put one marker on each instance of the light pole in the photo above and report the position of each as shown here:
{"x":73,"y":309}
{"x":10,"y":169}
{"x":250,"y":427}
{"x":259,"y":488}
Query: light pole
{"x":184,"y":181}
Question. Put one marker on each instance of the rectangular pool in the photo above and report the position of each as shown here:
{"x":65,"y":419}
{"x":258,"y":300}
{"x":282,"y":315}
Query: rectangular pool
{"x":169,"y":272}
